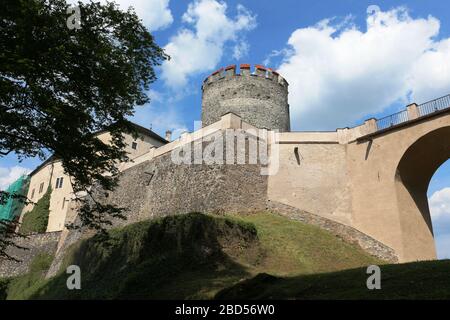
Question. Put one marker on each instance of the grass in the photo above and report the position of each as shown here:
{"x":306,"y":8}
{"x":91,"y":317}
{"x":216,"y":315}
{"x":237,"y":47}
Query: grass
{"x":293,"y":248}
{"x":191,"y":256}
{"x":179,"y":257}
{"x":23,"y":287}
{"x":418,"y":280}
{"x":197,"y":256}
{"x":4,"y":283}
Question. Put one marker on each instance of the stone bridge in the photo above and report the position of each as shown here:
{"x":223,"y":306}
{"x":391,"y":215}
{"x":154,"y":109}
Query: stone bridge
{"x":395,"y":165}
{"x":373,"y":177}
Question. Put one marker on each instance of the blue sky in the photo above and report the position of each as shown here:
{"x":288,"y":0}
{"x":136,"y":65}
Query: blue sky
{"x":343,"y":64}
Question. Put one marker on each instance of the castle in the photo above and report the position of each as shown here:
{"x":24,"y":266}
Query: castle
{"x":365,"y":184}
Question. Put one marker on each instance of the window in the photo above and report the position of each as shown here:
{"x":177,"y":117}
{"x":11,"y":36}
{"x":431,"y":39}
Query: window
{"x":59,"y":183}
{"x":32,"y":194}
{"x":64,"y":203}
{"x":134,"y":145}
{"x":41,"y":187}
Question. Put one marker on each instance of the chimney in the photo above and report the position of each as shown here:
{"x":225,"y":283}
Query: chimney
{"x":169,"y":135}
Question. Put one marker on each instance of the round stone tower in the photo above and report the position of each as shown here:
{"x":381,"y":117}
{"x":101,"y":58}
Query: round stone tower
{"x":259,"y":97}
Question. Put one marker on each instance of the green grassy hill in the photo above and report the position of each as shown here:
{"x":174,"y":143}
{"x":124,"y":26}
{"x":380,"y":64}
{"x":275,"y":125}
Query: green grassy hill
{"x":199,"y":256}
{"x":191,"y":256}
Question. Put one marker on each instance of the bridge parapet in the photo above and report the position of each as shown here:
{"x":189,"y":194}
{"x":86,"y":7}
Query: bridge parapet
{"x":434,"y":106}
{"x":414,"y":111}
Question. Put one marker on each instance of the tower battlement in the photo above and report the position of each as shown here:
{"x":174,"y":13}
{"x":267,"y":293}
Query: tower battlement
{"x":259,"y":95}
{"x":245,"y":71}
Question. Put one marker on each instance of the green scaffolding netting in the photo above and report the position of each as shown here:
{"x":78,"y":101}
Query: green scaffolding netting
{"x":12,"y":208}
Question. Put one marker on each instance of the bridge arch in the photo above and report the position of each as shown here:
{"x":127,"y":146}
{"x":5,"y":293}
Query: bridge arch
{"x":390,"y":172}
{"x":412,"y":177}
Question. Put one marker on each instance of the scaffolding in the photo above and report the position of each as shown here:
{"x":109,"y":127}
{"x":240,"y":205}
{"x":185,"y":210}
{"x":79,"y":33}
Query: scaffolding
{"x":11,"y":209}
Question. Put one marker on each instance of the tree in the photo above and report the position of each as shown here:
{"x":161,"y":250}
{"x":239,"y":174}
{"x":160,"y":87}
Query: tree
{"x":59,"y":85}
{"x":36,"y":219}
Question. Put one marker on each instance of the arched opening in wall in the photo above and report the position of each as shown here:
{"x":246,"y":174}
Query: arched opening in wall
{"x":439,"y":203}
{"x":414,"y":173}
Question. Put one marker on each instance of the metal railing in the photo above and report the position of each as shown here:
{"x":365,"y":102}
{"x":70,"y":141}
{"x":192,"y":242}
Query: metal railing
{"x":392,"y":120}
{"x":434,"y":105}
{"x":422,"y":110}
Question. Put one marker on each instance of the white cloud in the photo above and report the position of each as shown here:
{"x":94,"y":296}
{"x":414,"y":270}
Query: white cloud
{"x":276,"y":53}
{"x":431,"y":73}
{"x":199,"y":46}
{"x":155,"y":14}
{"x":443,"y":246}
{"x":155,"y":96}
{"x":241,"y":50}
{"x":338,"y":73}
{"x":440,"y":204}
{"x":9,"y":175}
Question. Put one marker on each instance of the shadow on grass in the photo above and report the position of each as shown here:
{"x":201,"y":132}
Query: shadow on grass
{"x":179,"y":257}
{"x":418,"y":280}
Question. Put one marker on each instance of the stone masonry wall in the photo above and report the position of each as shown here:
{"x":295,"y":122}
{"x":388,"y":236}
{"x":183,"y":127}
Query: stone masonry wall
{"x":35,"y":244}
{"x":259,"y":100}
{"x":160,"y":187}
{"x":313,"y":177}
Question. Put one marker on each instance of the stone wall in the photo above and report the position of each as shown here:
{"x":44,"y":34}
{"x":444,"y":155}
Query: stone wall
{"x":258,"y":99}
{"x":67,"y":239}
{"x":160,"y":187}
{"x":35,"y":244}
{"x":313,"y":176}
